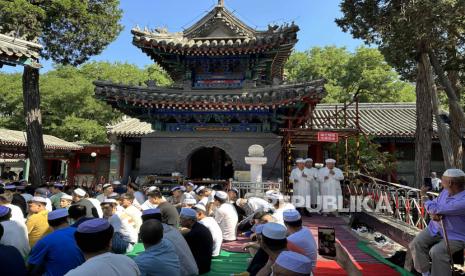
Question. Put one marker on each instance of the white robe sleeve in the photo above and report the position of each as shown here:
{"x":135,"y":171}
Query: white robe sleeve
{"x":338,"y":175}
{"x":321,"y":174}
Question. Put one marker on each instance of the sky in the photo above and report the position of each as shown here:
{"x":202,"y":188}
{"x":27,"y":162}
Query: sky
{"x":314,"y":17}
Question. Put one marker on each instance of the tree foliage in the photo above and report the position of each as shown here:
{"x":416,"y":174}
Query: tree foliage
{"x":68,"y":104}
{"x":364,"y":71}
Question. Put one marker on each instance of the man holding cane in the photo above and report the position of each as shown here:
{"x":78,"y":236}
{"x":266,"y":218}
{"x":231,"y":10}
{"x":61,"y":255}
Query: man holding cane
{"x":449,"y":207}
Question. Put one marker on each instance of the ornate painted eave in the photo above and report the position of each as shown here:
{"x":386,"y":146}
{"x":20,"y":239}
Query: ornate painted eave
{"x":257,"y":98}
{"x":15,"y":51}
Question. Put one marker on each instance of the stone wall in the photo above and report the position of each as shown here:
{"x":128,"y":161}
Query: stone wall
{"x":163,"y":153}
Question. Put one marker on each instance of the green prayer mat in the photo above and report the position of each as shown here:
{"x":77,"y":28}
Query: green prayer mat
{"x":226,"y":263}
{"x":370,"y":251}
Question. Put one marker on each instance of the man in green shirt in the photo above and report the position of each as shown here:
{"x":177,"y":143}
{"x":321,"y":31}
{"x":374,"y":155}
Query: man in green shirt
{"x":57,"y":191}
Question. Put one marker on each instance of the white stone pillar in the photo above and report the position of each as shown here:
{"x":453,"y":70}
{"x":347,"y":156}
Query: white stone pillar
{"x":256,"y":160}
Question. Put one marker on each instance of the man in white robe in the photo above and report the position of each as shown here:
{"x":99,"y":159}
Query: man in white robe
{"x":300,"y":186}
{"x":312,"y":182}
{"x":330,"y":185}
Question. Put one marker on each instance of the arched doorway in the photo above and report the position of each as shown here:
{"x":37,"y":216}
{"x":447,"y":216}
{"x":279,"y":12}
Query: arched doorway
{"x":211,"y":162}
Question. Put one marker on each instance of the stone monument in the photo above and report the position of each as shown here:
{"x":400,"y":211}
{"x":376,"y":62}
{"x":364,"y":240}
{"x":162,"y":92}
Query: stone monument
{"x":256,"y":160}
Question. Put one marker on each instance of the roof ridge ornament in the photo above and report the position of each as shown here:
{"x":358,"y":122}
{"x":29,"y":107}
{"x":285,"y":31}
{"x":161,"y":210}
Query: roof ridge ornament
{"x":220,"y":3}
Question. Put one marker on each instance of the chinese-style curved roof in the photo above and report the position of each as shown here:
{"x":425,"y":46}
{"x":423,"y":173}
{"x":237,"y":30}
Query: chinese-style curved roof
{"x":254,"y":98}
{"x":130,"y":127}
{"x":376,"y":119}
{"x":16,"y":51}
{"x":14,"y":138}
{"x":218,"y":33}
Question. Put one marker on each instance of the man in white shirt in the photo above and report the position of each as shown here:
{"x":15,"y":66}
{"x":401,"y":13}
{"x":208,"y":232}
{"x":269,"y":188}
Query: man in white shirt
{"x":299,"y":236}
{"x":15,"y":233}
{"x":312,"y":182}
{"x":121,"y":224}
{"x":436,"y":182}
{"x":16,"y":212}
{"x":225,"y":216}
{"x":330,"y":188}
{"x":252,"y":204}
{"x":301,"y":187}
{"x":279,"y":205}
{"x":212,"y":225}
{"x":126,"y":201}
{"x":107,"y":191}
{"x":93,"y":238}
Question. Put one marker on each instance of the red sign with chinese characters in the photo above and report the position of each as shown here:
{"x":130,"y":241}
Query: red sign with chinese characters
{"x":332,"y":137}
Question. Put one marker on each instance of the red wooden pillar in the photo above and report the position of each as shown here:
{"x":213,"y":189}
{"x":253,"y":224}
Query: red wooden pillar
{"x":121,"y":161}
{"x":318,"y":153}
{"x":72,"y":164}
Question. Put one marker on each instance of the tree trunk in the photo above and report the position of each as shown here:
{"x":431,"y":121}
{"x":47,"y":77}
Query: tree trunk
{"x":457,"y":123}
{"x":443,"y":130}
{"x":424,"y":130}
{"x":35,"y":142}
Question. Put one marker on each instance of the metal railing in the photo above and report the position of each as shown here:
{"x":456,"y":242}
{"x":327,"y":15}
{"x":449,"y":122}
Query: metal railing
{"x":255,"y":188}
{"x":405,"y":202}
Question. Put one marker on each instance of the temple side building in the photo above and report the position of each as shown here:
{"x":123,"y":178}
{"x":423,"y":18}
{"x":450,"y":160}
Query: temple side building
{"x":228,"y":94}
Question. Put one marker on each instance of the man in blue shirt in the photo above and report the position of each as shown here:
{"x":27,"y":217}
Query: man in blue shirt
{"x":56,"y":253}
{"x":449,"y":207}
{"x":159,"y":257}
{"x":11,"y":261}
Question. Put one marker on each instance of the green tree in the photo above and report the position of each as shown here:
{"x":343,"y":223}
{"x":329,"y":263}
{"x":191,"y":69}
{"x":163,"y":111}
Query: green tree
{"x":71,"y":31}
{"x":364,"y":72}
{"x":68,"y":104}
{"x":412,"y":35}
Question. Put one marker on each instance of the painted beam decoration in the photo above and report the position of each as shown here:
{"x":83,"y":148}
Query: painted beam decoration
{"x":15,"y":51}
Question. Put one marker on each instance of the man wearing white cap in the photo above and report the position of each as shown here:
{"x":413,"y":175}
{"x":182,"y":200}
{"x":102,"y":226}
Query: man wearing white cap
{"x":43,"y":192}
{"x":199,"y":239}
{"x":79,"y":199}
{"x":225,"y":216}
{"x":449,"y":207}
{"x":301,"y":187}
{"x":126,"y":202}
{"x":273,"y":241}
{"x":37,"y":224}
{"x":125,"y":234}
{"x":189,"y":201}
{"x":56,"y":253}
{"x":93,"y":238}
{"x":299,"y":236}
{"x":312,"y":180}
{"x":212,"y":225}
{"x":291,"y":263}
{"x":330,"y":185}
{"x":279,"y":205}
{"x":107,"y":191}
{"x":66,"y":201}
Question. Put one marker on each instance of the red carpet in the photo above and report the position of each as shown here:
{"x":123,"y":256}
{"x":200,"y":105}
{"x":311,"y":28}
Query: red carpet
{"x":364,"y":262}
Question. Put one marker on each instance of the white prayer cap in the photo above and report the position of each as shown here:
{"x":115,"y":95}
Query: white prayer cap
{"x":39,"y":199}
{"x":59,"y":213}
{"x":274,"y":231}
{"x":190,"y":184}
{"x":200,"y":207}
{"x":221,"y":195}
{"x":152,"y":188}
{"x":269,"y":192}
{"x":188,"y":213}
{"x":183,"y":188}
{"x":66,"y":196}
{"x":106,"y":186}
{"x":109,"y":201}
{"x":329,"y":160}
{"x":291,"y":215}
{"x":199,"y":189}
{"x":454,"y":173}
{"x":300,"y":160}
{"x":294,"y":262}
{"x":190,"y":201}
{"x":80,"y":192}
{"x":308,"y":160}
{"x":175,"y":188}
{"x":116,"y":182}
{"x":241,"y":201}
{"x":276,"y":196}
